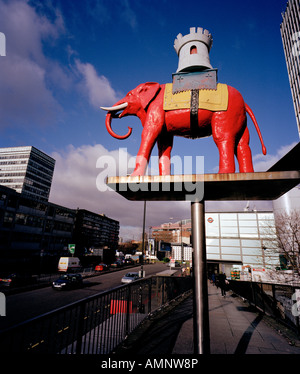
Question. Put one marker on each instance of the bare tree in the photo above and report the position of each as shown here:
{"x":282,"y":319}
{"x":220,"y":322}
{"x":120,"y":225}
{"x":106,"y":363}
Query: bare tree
{"x":287,"y":238}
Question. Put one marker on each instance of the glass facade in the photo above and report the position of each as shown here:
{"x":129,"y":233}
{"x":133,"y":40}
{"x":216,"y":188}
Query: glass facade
{"x":241,"y":237}
{"x":245,"y":238}
{"x":290,"y":34}
{"x":27,"y":170}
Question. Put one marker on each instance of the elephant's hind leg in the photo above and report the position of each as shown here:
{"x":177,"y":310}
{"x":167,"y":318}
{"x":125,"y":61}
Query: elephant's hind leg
{"x":243,"y":153}
{"x":226,"y":153}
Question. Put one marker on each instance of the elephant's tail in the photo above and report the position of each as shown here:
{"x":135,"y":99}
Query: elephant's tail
{"x":251,"y":114}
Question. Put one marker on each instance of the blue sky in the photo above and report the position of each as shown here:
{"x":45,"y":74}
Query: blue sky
{"x":65,"y":58}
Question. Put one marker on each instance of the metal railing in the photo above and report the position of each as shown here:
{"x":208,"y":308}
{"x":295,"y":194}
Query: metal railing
{"x":276,"y":300}
{"x":97,"y":324}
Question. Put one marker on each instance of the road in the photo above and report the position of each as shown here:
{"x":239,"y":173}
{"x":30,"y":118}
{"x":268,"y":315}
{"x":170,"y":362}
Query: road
{"x":26,"y":305}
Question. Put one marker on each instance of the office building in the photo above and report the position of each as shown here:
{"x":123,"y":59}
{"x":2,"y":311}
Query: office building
{"x":35,"y":233}
{"x":290,"y":34}
{"x":32,"y":231}
{"x":27,"y":170}
{"x":94,"y":230}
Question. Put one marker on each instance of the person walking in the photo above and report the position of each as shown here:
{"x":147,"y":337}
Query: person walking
{"x":222,"y":284}
{"x":213,"y":279}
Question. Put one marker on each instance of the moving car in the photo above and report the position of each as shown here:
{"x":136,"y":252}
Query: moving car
{"x":101,"y":267}
{"x":130,"y":277}
{"x":117,"y":264}
{"x":174,"y":264}
{"x":68,"y":281}
{"x":17,"y":280}
{"x":129,"y":261}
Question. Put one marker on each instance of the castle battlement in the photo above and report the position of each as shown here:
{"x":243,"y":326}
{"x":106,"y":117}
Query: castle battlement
{"x":201,"y":35}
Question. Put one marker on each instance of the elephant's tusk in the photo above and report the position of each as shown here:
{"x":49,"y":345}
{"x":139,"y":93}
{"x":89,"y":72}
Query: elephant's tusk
{"x":115,"y":108}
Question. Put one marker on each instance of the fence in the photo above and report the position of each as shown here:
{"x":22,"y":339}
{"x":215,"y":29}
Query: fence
{"x":97,"y":324}
{"x":276,"y":300}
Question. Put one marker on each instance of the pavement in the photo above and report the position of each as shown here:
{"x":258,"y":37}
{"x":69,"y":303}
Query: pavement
{"x":235,"y":328}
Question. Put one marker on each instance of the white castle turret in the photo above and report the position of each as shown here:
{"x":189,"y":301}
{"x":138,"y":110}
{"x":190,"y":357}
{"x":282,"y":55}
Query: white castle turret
{"x":193,"y":50}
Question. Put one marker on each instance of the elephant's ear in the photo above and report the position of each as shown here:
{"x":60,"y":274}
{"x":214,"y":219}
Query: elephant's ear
{"x":147,"y":92}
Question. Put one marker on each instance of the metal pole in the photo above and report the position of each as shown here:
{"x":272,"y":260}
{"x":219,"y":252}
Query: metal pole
{"x":143,"y":240}
{"x":182,"y":252}
{"x":201,"y":317}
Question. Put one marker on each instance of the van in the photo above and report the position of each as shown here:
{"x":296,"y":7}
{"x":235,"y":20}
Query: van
{"x":69,"y":264}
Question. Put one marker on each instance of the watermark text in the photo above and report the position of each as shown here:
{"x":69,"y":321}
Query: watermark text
{"x":124,"y":166}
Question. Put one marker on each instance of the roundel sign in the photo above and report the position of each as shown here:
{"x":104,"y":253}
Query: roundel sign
{"x":210,"y":220}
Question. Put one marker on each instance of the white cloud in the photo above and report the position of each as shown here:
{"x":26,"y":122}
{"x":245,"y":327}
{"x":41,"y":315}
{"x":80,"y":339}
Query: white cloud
{"x":75,"y":177}
{"x":263,"y":163}
{"x":25,"y":97}
{"x":31,"y":80}
{"x":79,"y":170}
{"x":97,"y":88}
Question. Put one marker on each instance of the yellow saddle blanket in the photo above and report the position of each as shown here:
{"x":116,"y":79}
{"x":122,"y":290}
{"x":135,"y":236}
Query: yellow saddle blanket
{"x":214,"y":100}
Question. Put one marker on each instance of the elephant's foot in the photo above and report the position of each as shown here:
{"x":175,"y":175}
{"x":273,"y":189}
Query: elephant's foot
{"x":225,"y":171}
{"x":164,"y":166}
{"x":141,"y":164}
{"x":137,"y":173}
{"x":226,"y":167}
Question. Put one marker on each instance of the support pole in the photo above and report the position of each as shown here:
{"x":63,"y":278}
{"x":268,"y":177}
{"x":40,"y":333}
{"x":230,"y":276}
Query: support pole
{"x":201,"y":316}
{"x":143,"y":241}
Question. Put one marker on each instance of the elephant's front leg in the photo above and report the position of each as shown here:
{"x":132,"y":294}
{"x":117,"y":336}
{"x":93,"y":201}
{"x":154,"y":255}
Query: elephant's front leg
{"x":165,"y":144}
{"x":149,"y":137}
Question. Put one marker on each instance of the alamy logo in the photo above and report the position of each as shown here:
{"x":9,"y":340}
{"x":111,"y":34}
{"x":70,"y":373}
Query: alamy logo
{"x":296,"y":46}
{"x":2,"y":305}
{"x":2,"y":44}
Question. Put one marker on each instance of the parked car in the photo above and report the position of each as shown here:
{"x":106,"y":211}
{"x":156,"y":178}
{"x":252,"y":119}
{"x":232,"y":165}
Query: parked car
{"x":68,"y":281}
{"x":130,"y":277}
{"x":101,"y":267}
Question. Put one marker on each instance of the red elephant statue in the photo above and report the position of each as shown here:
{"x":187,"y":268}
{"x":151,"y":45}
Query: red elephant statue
{"x":228,"y":127}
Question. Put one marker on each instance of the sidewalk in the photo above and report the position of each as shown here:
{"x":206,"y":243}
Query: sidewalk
{"x":235,"y":328}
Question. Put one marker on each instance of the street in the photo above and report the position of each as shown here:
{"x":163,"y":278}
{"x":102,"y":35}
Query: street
{"x":26,"y":305}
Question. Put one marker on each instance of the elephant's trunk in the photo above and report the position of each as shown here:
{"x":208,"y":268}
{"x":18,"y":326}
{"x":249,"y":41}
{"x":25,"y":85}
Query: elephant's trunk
{"x":111,"y":132}
{"x":112,"y":113}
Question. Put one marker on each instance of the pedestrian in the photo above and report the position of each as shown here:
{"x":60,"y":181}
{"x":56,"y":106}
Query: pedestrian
{"x":222,"y":284}
{"x":213,"y":278}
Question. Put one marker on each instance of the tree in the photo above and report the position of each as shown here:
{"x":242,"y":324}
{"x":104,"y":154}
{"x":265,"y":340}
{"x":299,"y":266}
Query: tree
{"x":288,"y":238}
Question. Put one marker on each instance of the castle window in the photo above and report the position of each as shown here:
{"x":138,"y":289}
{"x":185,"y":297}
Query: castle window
{"x":193,"y":50}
